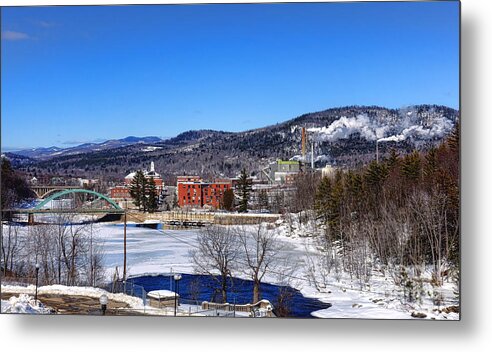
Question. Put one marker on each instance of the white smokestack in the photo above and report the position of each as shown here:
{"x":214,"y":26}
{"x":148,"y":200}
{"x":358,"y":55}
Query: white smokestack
{"x":377,"y":152}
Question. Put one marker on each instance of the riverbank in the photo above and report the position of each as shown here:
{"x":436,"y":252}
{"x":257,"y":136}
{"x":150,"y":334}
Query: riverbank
{"x":153,"y":252}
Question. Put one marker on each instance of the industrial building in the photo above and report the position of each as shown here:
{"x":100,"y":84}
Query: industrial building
{"x":281,"y":172}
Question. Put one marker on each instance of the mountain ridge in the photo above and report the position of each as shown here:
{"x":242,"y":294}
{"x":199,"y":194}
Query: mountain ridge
{"x":49,"y":152}
{"x":212,"y":153}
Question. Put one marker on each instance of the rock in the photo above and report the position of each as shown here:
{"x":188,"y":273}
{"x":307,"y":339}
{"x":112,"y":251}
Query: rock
{"x":419,"y":315}
{"x":451,"y":309}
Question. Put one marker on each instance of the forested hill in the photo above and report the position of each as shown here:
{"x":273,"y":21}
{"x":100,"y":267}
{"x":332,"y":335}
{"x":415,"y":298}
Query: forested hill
{"x":343,"y":136}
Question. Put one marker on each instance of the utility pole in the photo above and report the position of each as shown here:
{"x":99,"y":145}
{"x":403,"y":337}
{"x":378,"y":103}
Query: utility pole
{"x":124,"y":247}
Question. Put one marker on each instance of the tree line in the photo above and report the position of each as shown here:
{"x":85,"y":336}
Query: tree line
{"x":67,"y":254}
{"x":14,"y":188}
{"x":401,"y":212}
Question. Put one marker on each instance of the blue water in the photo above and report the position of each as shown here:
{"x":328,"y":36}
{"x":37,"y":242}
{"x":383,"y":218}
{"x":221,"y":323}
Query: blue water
{"x":239,"y":292}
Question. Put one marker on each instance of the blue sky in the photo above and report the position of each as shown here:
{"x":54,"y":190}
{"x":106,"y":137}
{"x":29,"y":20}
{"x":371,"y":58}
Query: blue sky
{"x":79,"y":74}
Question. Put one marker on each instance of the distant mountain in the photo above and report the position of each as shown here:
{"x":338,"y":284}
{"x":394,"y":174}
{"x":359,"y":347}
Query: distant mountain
{"x":18,"y":161}
{"x":51,"y":152}
{"x":345,"y":136}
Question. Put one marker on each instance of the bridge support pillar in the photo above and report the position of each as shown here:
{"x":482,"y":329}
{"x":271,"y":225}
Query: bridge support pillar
{"x":30,"y":219}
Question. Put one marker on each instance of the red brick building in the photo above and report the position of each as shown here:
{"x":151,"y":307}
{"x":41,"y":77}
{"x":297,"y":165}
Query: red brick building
{"x":181,"y":179}
{"x":193,"y":192}
{"x":214,"y":192}
{"x":120,"y":192}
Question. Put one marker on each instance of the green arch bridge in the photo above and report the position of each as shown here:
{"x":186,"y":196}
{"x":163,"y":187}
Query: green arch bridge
{"x":115,"y":207}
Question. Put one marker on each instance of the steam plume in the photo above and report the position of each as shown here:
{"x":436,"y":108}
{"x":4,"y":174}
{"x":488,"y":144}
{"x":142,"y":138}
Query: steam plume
{"x":407,"y":125}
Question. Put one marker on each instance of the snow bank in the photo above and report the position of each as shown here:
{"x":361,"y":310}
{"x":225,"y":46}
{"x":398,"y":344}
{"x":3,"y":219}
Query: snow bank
{"x":162,"y":294}
{"x":24,"y":304}
{"x":93,"y":292}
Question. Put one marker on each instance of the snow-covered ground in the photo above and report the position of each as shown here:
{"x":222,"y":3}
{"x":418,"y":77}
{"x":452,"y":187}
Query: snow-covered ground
{"x":378,"y":298}
{"x":148,"y":251}
{"x":162,"y":251}
{"x":23,"y":304}
{"x":133,"y":302}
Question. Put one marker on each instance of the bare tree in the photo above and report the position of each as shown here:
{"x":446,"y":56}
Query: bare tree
{"x":66,"y":253}
{"x":260,"y":249}
{"x":217,"y":251}
{"x":306,"y":184}
{"x":11,"y":247}
{"x":430,"y":214}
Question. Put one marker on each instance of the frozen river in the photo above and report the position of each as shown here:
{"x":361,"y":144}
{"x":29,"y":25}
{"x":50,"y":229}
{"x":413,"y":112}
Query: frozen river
{"x":148,"y":250}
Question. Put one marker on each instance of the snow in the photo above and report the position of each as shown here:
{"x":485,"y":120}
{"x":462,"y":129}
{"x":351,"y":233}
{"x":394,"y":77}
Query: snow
{"x":379,"y":298}
{"x":93,"y":292}
{"x":162,"y":294}
{"x":148,"y":251}
{"x":150,"y":149}
{"x":153,"y":252}
{"x":24,"y":304}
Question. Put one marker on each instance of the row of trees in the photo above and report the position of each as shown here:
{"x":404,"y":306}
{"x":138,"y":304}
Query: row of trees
{"x":67,"y":254}
{"x":402,"y":212}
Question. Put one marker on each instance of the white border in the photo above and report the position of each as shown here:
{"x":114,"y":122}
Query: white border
{"x":472,"y":333}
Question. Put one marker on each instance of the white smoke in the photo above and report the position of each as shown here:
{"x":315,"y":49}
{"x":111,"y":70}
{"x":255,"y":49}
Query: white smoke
{"x":408,"y":125}
{"x":440,"y":127}
{"x":322,"y":158}
{"x":397,"y":138}
{"x":344,"y":127}
{"x":319,"y":158}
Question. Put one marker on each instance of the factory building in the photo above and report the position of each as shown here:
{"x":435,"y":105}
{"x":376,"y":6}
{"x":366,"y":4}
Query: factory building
{"x":281,"y":172}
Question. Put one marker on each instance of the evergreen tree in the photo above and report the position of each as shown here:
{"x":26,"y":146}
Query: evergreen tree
{"x":411,"y":166}
{"x":430,"y":169}
{"x":328,"y":201}
{"x":14,"y":188}
{"x":263,"y":199}
{"x":454,"y":139}
{"x":244,"y":185}
{"x":354,"y":189}
{"x":393,"y":160}
{"x":228,"y":200}
{"x":151,"y":199}
{"x":175,"y":201}
{"x":375,"y":175}
{"x":137,"y":190}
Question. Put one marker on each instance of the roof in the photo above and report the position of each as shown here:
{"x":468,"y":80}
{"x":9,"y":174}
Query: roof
{"x":131,"y":175}
{"x":161,"y":294}
{"x":287,"y":162}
